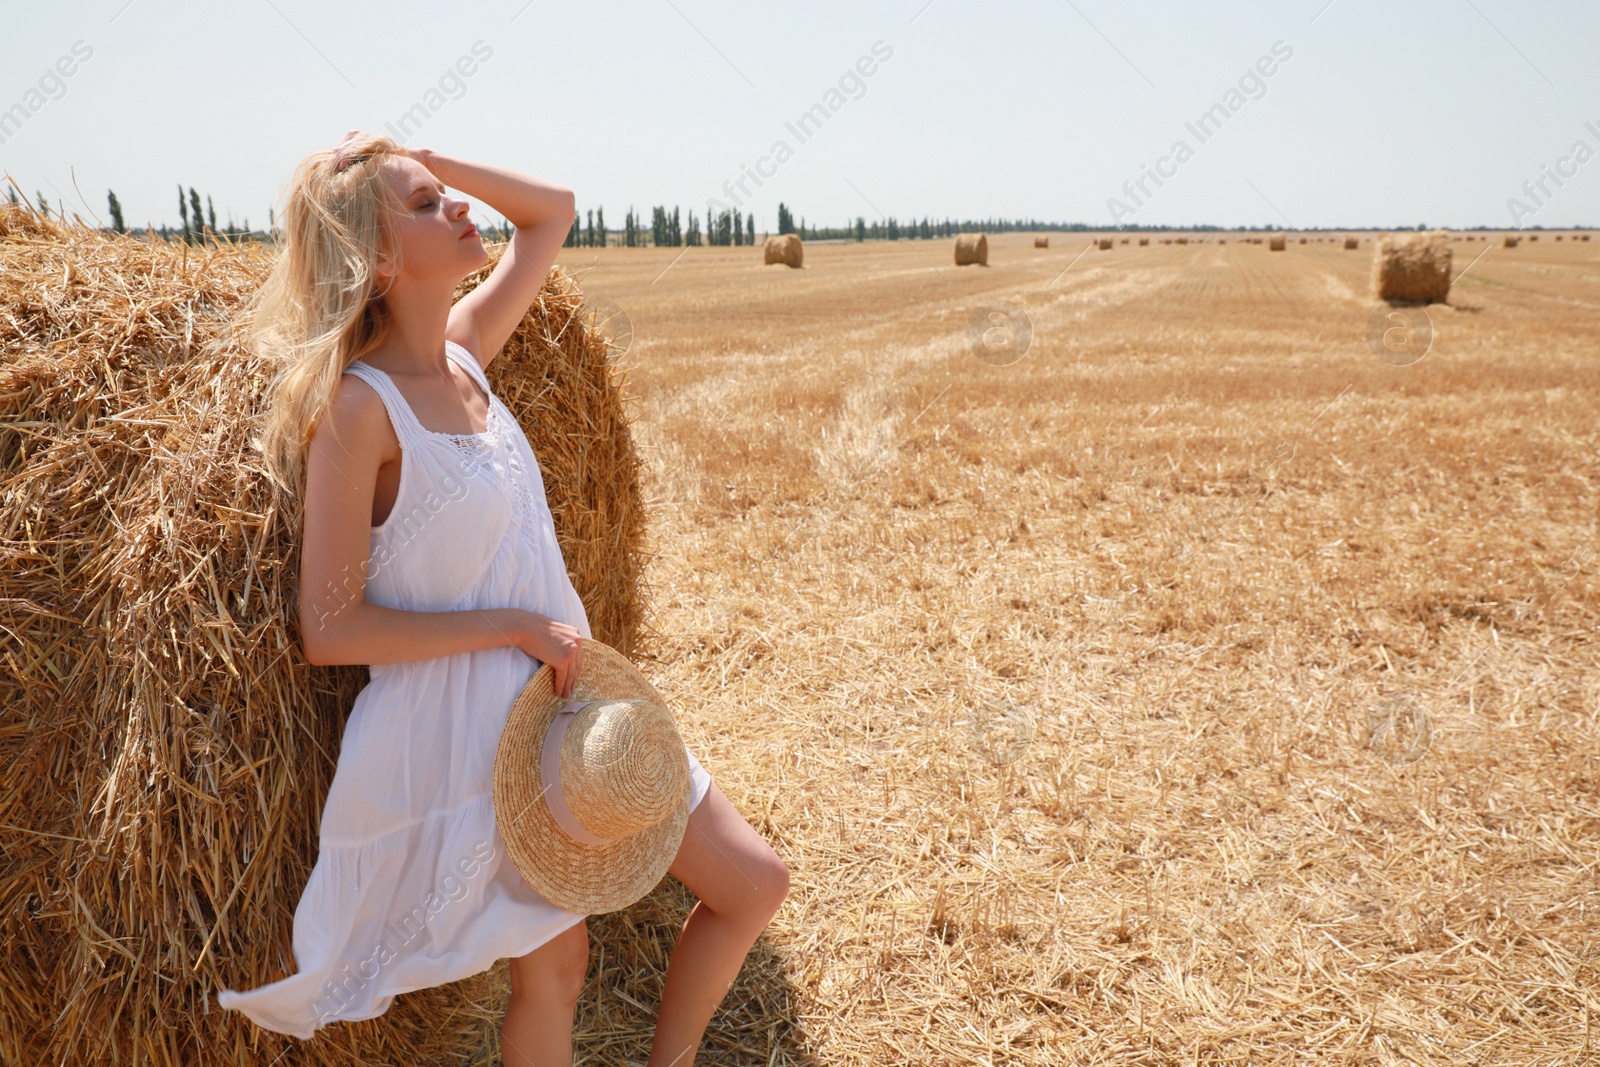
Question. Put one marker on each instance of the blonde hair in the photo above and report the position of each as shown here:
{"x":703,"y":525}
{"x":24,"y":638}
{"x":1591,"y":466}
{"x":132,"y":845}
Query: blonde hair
{"x":320,"y":308}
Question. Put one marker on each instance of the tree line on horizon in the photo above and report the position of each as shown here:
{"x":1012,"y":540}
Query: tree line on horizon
{"x":666,"y":230}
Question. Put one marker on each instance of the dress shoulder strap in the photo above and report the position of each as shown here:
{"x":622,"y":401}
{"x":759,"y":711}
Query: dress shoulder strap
{"x":470,"y":363}
{"x":406,"y":426}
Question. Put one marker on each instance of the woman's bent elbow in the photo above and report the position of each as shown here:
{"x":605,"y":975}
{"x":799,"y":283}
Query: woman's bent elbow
{"x":317,"y":649}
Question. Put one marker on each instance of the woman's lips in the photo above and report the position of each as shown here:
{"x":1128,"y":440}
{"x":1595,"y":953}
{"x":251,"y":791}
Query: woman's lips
{"x":472,"y":231}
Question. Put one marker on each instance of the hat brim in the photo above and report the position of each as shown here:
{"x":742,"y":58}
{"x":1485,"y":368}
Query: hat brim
{"x":588,"y":879}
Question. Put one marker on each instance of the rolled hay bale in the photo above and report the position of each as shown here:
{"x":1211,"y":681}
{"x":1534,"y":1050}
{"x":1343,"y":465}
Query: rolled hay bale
{"x":972,"y":248}
{"x":1508,"y":241}
{"x":1533,"y":237}
{"x":1302,"y":240}
{"x":1124,"y":240}
{"x":1182,"y":240}
{"x":1278,"y":243}
{"x":1585,"y":237}
{"x":1558,"y":237}
{"x":1104,"y":244}
{"x":1041,"y":242}
{"x":1412,"y":267}
{"x":156,"y":680}
{"x":1351,"y":243}
{"x":782,"y":248}
{"x":1144,"y":241}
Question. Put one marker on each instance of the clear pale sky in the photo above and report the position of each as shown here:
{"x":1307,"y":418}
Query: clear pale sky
{"x":1385,"y":113}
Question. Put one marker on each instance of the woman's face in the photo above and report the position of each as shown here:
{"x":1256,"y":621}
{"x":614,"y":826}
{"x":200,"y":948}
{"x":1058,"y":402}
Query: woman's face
{"x":437,"y":239}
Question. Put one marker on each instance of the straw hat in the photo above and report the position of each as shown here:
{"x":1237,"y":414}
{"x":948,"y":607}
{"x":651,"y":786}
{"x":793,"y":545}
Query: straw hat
{"x":592,"y":795}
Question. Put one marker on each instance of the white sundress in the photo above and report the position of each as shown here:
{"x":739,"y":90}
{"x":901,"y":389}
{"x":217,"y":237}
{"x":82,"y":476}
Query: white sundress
{"x":412,"y":886}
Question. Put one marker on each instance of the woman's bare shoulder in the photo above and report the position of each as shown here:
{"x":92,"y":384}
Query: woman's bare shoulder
{"x":357,"y":416}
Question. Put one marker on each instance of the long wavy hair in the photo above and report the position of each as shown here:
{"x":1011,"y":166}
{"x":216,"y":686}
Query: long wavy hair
{"x":320,"y":307}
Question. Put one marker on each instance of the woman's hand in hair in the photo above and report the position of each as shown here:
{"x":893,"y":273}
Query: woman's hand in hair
{"x":421,"y":155}
{"x":350,"y":139}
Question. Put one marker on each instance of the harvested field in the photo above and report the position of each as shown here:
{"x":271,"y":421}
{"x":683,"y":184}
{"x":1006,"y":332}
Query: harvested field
{"x":1197,"y":687}
{"x":1307,"y":644}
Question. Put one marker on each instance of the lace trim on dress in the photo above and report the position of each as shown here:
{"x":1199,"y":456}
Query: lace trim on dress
{"x":494,"y":451}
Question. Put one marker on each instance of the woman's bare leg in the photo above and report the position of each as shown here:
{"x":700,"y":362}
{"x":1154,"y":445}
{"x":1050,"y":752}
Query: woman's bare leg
{"x":740,"y":882}
{"x":545,"y":985}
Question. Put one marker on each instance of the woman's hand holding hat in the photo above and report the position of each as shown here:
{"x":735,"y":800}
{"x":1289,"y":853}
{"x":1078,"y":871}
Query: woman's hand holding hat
{"x":556,"y":643}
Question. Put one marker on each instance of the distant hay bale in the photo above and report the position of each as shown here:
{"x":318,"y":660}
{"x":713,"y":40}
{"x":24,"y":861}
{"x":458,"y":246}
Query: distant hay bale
{"x":1302,"y":240}
{"x":1585,"y":237}
{"x":1278,"y":243}
{"x":784,"y":248}
{"x":1558,"y":237}
{"x":1124,"y":240}
{"x":1144,"y":240}
{"x":1182,"y":240}
{"x":1041,"y":242}
{"x":1412,"y":267}
{"x":1351,"y":243}
{"x":1104,"y":243}
{"x":1508,"y":241}
{"x":156,"y":676}
{"x":1222,"y":240}
{"x":1533,"y":237}
{"x":972,"y":248}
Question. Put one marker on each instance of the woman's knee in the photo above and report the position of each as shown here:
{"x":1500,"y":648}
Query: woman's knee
{"x":762,"y":894}
{"x":557,"y":968}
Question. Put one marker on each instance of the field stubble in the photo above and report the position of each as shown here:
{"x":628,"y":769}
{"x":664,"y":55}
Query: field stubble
{"x":1197,"y":687}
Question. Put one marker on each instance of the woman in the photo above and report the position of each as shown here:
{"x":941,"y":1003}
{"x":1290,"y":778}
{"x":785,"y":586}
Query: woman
{"x":429,"y":554}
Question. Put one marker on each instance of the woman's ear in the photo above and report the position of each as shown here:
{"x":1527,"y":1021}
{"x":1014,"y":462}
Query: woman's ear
{"x":383,"y":268}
